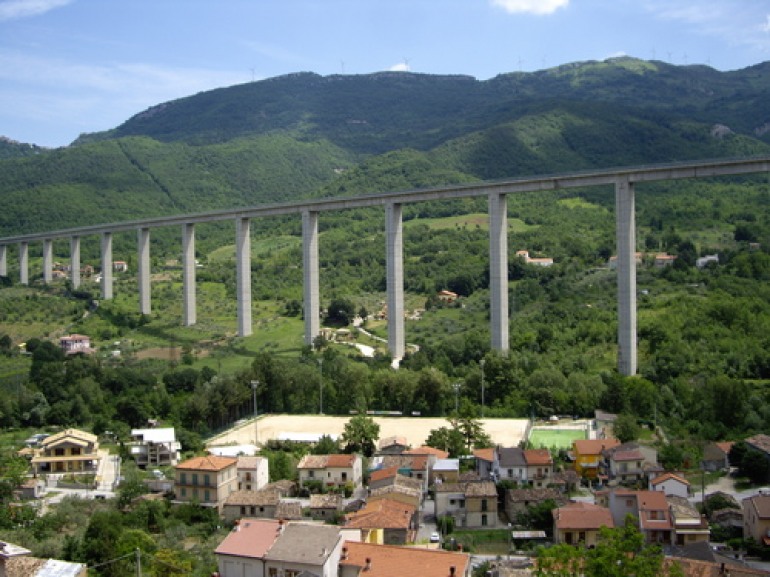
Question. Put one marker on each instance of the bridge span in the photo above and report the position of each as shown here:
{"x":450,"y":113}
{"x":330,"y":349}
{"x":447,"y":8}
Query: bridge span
{"x":623,"y":179}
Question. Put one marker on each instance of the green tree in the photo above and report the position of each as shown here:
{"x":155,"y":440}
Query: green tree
{"x":341,"y":312}
{"x":447,"y":439}
{"x":360,"y":435}
{"x":625,"y":428}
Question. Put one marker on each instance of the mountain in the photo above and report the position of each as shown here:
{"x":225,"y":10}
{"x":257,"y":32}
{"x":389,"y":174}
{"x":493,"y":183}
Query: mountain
{"x":302,"y":135}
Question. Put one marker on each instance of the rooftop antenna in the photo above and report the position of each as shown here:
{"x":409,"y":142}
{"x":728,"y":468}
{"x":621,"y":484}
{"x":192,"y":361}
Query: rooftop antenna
{"x":252,"y":74}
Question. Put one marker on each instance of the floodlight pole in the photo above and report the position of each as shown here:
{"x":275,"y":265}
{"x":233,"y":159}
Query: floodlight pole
{"x":254,"y":385}
{"x":481,"y":364}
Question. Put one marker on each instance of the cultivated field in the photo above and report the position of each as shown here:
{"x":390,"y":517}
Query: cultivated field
{"x":505,"y":432}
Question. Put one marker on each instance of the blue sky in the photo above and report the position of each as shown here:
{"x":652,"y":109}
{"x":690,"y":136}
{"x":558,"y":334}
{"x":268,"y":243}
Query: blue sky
{"x":74,"y":66}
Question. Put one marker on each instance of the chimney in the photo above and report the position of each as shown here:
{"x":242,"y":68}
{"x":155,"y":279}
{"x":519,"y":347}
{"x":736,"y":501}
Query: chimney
{"x":237,"y":525}
{"x":452,"y":571}
{"x":368,"y":566}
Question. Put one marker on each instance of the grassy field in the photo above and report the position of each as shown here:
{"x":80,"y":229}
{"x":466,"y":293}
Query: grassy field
{"x":554,"y":438}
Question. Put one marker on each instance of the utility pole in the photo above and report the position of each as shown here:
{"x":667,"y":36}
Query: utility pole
{"x":457,"y":386}
{"x":138,"y":563}
{"x":254,"y":385}
{"x":321,"y":387}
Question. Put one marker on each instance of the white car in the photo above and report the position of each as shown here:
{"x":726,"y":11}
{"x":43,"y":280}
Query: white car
{"x":435,"y":537}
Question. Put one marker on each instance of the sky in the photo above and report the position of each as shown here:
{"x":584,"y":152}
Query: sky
{"x":69,"y":67}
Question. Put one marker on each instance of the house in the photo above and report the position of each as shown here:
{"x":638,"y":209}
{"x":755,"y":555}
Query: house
{"x":579,"y":523}
{"x":284,"y":488}
{"x":253,"y":473}
{"x":31,"y":488}
{"x":267,"y":548}
{"x":411,"y":465}
{"x":382,"y":478}
{"x":485,"y":460}
{"x":716,"y":456}
{"x":624,"y":463}
{"x":588,"y":455}
{"x":689,"y":525}
{"x":510,"y":465}
{"x":612,"y":263}
{"x":70,"y":451}
{"x":258,"y":504}
{"x":704,"y":261}
{"x":370,"y":560}
{"x":15,"y":561}
{"x":206,"y":480}
{"x":650,"y":509}
{"x":76,"y":344}
{"x":155,"y":447}
{"x":403,"y":490}
{"x":120,"y":266}
{"x":330,"y":470}
{"x":671,"y":484}
{"x":446,"y":296}
{"x":471,"y":504}
{"x":446,"y":471}
{"x":524,"y":255}
{"x":756,"y":518}
{"x":663,"y":260}
{"x":384,"y":521}
{"x":539,"y":465}
{"x":325,"y":506}
{"x":517,"y":501}
{"x":392,"y":445}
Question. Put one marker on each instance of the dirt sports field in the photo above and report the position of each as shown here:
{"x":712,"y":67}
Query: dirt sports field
{"x":505,"y":432}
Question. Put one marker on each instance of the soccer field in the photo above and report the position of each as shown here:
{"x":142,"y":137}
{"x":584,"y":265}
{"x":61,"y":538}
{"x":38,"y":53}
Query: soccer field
{"x":551,"y":437}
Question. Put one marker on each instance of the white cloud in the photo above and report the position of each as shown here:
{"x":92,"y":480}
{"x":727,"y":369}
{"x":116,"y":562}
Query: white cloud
{"x":766,"y":25}
{"x":13,"y":9}
{"x":530,"y":6}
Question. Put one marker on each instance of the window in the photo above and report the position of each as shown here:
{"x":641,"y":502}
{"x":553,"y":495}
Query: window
{"x":184,"y":492}
{"x":311,"y":474}
{"x":243,"y":510}
{"x":248,"y":476}
{"x":629,"y":502}
{"x":484,"y":505}
{"x":462,"y":503}
{"x":206,"y":480}
{"x":582,"y":536}
{"x":206,"y":496}
{"x":58,"y":452}
{"x":510,"y":473}
{"x":195,"y":478}
{"x":75,"y":451}
{"x":183,"y":478}
{"x":344,"y":476}
{"x":252,"y":510}
{"x":483,"y":520}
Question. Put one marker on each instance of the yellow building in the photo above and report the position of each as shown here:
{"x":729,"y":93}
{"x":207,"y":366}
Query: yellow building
{"x":71,"y":451}
{"x":588,"y":455}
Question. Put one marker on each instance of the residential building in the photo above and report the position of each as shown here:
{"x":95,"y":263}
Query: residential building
{"x":704,"y":261}
{"x":485,"y":461}
{"x":671,"y":484}
{"x":253,"y":473}
{"x":385,"y":521}
{"x":414,"y":466}
{"x":689,"y":525}
{"x":716,"y":456}
{"x":267,"y":548}
{"x":206,"y":480}
{"x":370,"y":560}
{"x":663,"y":260}
{"x":473,"y":504}
{"x":524,"y":255}
{"x":155,"y":447}
{"x":539,"y":465}
{"x":756,"y":518}
{"x":579,"y":523}
{"x":325,"y":506}
{"x":331,"y":470}
{"x":625,"y":465}
{"x":510,"y":465}
{"x":588,"y":455}
{"x":74,"y":344}
{"x":71,"y":451}
{"x":392,"y":445}
{"x":650,"y":508}
{"x":256,"y":504}
{"x":120,"y":266}
{"x":446,"y":471}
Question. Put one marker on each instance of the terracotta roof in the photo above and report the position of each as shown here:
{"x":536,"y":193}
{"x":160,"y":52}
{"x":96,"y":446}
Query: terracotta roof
{"x":381,"y":474}
{"x":485,"y":454}
{"x":726,"y":446}
{"x":249,"y":462}
{"x":581,"y":515}
{"x":426,"y":450}
{"x":324,"y":461}
{"x":208,"y":463}
{"x":470,"y":489}
{"x":312,"y":462}
{"x":341,"y":461}
{"x":395,"y":440}
{"x":392,"y":561}
{"x":669,"y":476}
{"x":633,"y":455}
{"x":381,"y":514}
{"x":593,"y":446}
{"x":406,"y":461}
{"x":538,"y":457}
{"x":250,"y":538}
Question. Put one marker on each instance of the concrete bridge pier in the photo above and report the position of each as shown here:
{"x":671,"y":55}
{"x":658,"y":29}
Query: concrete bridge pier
{"x":107,"y":265}
{"x":3,"y":260}
{"x":498,"y":270}
{"x":311,"y":297}
{"x":143,"y":271}
{"x":243,"y":275}
{"x":189,"y":309}
{"x":395,"y":280}
{"x":75,"y":261}
{"x":47,"y":260}
{"x":626,"y":241}
{"x":24,"y":262}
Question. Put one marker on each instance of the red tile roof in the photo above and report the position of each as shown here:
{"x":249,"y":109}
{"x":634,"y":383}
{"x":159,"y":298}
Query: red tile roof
{"x":208,"y":463}
{"x":485,"y":454}
{"x":381,"y":514}
{"x":579,"y":515}
{"x":340,"y":461}
{"x":538,"y":457}
{"x":667,"y":476}
{"x":250,"y":538}
{"x":381,"y":474}
{"x":594,"y":446}
{"x":425,"y":450}
{"x":392,"y":561}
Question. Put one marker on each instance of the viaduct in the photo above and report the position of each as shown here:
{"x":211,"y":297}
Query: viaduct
{"x":624,"y":181}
